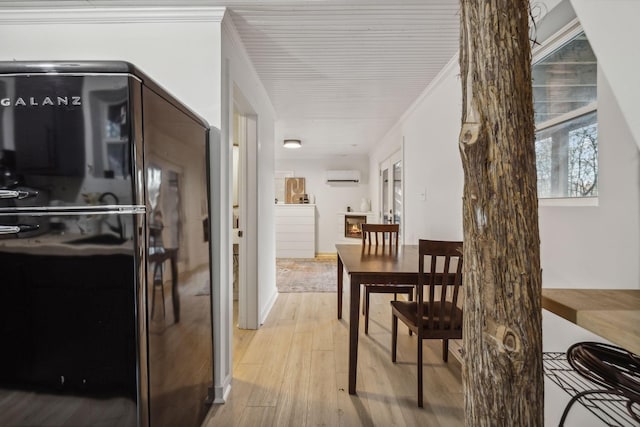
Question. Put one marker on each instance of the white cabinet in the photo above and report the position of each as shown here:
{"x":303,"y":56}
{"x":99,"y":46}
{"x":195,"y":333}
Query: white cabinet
{"x":296,"y":231}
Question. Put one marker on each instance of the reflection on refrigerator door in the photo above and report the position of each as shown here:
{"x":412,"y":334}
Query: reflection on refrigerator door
{"x":67,"y":314}
{"x":179,"y":276}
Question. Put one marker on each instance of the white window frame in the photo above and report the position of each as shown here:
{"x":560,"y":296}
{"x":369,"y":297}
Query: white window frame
{"x":568,"y":32}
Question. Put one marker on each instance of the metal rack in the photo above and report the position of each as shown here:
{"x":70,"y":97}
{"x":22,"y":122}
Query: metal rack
{"x":610,"y":408}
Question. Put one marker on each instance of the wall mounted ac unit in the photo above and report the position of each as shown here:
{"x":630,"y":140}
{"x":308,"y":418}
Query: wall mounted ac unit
{"x":337,"y":176}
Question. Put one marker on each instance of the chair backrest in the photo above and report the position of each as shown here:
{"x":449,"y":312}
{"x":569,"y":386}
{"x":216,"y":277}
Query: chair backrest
{"x":385,"y":235}
{"x":444,"y":272}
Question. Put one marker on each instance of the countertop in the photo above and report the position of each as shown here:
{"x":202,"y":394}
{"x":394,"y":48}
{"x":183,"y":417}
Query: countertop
{"x":613,"y":314}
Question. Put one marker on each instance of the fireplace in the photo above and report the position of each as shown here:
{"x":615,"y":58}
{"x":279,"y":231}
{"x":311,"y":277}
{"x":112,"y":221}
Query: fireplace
{"x":352,"y":226}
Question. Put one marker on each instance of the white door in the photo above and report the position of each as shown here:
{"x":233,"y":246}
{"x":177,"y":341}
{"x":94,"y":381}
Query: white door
{"x":391,"y":190}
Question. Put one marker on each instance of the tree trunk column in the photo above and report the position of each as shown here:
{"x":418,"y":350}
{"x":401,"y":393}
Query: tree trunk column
{"x":502,"y":333}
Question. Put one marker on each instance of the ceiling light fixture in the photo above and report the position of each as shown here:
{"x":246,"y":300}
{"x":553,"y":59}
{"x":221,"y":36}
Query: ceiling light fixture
{"x":292,"y":143}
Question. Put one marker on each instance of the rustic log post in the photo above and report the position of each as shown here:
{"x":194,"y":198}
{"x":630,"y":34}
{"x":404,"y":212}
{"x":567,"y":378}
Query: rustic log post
{"x":502,"y":338}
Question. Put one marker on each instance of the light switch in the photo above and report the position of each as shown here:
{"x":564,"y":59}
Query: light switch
{"x":422,"y":195}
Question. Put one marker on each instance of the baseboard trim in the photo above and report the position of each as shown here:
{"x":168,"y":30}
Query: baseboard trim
{"x":221,"y":393}
{"x":326,"y":255}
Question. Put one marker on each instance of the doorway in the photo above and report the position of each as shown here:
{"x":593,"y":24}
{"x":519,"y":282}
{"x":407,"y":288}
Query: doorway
{"x":391,"y":190}
{"x":238,"y":136}
{"x":244,"y":219}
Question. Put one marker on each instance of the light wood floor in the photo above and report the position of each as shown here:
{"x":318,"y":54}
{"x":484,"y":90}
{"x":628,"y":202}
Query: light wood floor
{"x":293,"y":372}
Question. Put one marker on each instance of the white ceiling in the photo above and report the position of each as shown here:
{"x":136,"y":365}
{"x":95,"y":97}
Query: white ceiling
{"x":339,"y":73}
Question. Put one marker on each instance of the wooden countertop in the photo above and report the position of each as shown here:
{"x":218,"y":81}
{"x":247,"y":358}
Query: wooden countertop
{"x":614,"y":314}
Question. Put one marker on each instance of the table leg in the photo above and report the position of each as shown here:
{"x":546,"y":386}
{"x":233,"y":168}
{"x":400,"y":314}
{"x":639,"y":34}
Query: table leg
{"x":354,"y":323}
{"x":340,"y":269}
{"x":175,"y":295}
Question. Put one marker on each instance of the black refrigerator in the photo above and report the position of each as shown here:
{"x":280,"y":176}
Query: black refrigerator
{"x":105,"y":283}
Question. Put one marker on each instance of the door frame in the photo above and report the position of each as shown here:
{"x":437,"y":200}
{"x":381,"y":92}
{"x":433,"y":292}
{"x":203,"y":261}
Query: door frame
{"x":387,"y":164}
{"x":247,"y":138}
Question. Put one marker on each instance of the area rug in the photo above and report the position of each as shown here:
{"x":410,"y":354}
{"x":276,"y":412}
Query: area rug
{"x":306,"y":275}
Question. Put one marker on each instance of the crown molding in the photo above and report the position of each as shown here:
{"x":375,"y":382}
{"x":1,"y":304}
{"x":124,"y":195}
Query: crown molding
{"x":110,"y":15}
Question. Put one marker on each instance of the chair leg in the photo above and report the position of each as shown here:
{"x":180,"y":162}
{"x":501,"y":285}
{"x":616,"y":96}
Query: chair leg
{"x":157,"y":282}
{"x":394,"y":337}
{"x":153,"y":293}
{"x":153,"y":300}
{"x":164,"y":312}
{"x":410,"y":298}
{"x":445,"y":350}
{"x":366,"y":310}
{"x":420,"y":371}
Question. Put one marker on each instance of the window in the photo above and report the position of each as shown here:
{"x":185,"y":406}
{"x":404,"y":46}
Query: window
{"x":565,"y":104}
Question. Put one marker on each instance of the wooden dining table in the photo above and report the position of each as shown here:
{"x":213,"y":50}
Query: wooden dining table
{"x":367,"y":265}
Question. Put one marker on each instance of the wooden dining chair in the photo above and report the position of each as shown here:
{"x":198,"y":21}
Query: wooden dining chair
{"x":437,"y":311}
{"x":381,"y":239}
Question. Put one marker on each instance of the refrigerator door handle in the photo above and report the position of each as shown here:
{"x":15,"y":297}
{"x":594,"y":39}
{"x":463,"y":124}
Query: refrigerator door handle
{"x":15,"y":229}
{"x":17,"y":194}
{"x":9,"y":229}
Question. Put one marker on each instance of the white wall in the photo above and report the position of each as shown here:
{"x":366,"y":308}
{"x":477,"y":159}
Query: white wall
{"x":147,"y":39}
{"x":259,"y":229}
{"x":599,"y":246}
{"x":329,"y":199}
{"x":581,"y":247}
{"x":431,"y":161}
{"x":612,"y":29}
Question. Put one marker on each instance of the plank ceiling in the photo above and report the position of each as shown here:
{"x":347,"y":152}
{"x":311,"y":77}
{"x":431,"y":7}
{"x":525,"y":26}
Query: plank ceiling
{"x":339,"y":73}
